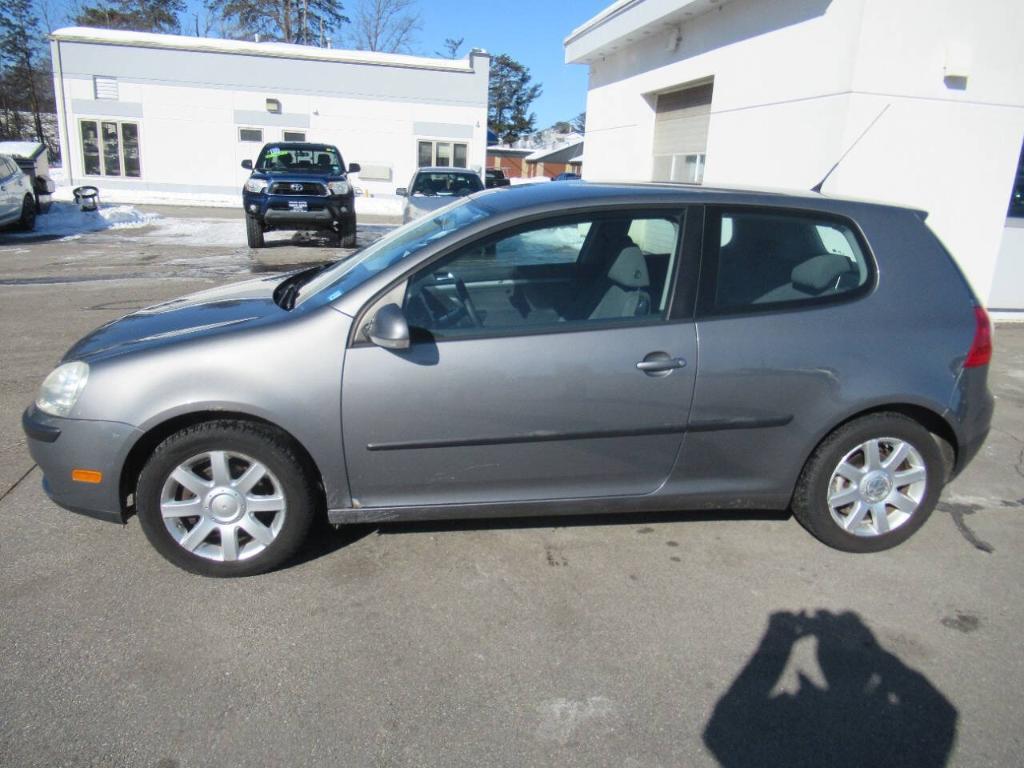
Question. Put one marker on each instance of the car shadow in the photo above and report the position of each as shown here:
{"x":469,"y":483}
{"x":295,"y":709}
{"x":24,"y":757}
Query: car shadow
{"x":849,"y":702}
{"x":324,"y":538}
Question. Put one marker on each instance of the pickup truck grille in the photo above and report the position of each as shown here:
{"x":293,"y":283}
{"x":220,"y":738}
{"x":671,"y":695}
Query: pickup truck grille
{"x":303,"y":188}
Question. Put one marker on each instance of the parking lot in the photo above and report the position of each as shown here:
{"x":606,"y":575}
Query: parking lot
{"x":655,"y":640}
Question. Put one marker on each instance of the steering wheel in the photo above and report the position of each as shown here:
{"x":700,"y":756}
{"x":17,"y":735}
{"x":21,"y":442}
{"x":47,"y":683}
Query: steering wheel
{"x":467,"y":302}
{"x":442,"y":313}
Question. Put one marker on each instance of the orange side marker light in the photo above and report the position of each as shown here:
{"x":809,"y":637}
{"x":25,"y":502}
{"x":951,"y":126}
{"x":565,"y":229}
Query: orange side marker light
{"x":87,"y":476}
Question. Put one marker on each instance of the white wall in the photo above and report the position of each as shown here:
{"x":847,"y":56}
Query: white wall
{"x":189,"y":133}
{"x":795,"y":83}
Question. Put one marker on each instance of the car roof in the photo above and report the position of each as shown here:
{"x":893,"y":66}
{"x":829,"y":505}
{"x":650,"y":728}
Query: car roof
{"x":523,"y":196}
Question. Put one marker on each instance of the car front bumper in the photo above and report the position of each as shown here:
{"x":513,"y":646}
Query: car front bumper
{"x":335,"y":213}
{"x":59,"y":446}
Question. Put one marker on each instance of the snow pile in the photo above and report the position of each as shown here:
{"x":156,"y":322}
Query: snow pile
{"x":68,"y":221}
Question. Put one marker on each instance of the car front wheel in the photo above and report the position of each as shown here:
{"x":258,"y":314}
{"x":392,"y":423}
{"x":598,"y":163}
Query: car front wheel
{"x":870,"y":484}
{"x":253,"y":232}
{"x":225,"y":498}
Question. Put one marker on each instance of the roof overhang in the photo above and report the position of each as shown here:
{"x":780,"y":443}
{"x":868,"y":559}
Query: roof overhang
{"x":626,"y":22}
{"x":250,"y":48}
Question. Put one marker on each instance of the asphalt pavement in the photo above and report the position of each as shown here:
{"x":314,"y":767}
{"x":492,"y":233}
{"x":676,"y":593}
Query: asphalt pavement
{"x":640,"y":641}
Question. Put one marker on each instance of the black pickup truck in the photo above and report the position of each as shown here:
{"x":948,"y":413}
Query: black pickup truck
{"x":495,"y":177}
{"x":297,"y":186}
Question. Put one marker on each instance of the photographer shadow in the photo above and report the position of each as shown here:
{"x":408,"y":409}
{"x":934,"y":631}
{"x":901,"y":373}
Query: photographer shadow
{"x":866,"y":707}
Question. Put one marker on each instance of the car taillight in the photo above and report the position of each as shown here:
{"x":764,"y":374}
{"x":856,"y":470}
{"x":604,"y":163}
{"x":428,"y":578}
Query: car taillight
{"x":980,"y":352}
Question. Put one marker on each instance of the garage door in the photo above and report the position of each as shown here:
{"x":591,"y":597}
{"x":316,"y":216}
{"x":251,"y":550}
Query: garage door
{"x":681,"y":134}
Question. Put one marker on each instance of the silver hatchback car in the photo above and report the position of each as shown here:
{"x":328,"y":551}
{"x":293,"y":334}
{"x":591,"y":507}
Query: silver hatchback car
{"x":567,"y":348}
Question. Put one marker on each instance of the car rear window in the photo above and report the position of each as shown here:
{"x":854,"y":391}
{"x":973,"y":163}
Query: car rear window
{"x":771,"y":260}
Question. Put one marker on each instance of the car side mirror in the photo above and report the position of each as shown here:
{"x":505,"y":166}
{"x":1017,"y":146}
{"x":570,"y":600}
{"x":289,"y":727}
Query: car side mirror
{"x":354,"y":167}
{"x":389,"y":328}
{"x":247,"y":164}
{"x":402,"y":192}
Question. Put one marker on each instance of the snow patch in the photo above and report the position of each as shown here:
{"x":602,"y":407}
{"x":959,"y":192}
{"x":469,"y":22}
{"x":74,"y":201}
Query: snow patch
{"x":68,"y":221}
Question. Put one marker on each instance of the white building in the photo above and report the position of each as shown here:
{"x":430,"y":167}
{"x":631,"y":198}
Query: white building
{"x":172,"y":114}
{"x":747,"y":92}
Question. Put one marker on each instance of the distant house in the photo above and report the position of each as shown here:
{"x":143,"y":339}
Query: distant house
{"x":510,"y":160}
{"x":169,"y":113}
{"x":551,"y":162}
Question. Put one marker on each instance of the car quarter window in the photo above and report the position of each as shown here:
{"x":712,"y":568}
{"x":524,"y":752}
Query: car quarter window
{"x":771,"y":260}
{"x":558,"y":274}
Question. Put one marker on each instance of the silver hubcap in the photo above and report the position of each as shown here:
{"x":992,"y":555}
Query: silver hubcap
{"x":877,"y":486}
{"x":223,"y":506}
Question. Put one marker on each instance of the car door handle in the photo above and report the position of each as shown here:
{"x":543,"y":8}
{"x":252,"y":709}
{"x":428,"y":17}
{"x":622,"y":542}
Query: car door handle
{"x":659,"y":362}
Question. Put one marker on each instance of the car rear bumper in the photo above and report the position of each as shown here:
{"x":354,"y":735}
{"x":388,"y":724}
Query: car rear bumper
{"x":972,"y":408}
{"x":60,"y":446}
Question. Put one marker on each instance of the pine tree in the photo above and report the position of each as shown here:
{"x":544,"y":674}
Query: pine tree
{"x":509,"y":99}
{"x":134,"y":15}
{"x":308,"y":22}
{"x":20,"y":44}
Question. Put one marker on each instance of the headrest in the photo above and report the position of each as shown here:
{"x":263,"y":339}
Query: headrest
{"x":630,"y":269}
{"x":820,"y":272}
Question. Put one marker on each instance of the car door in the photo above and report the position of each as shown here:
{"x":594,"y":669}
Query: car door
{"x":10,"y":191}
{"x":552,"y":360}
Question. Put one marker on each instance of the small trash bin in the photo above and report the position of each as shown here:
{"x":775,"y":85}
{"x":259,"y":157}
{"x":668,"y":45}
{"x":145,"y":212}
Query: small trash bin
{"x":87,"y":197}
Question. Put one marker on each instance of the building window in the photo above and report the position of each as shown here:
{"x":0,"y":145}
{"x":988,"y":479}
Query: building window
{"x":1016,"y":210}
{"x":110,"y":148}
{"x":250,"y":134}
{"x":686,"y":168}
{"x":681,"y":134}
{"x":442,"y":154}
{"x":104,"y":87}
{"x":294,"y":136}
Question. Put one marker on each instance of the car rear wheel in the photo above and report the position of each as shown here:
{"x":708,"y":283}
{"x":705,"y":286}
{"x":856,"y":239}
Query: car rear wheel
{"x":870,"y":484}
{"x":253,"y":232}
{"x":225,"y":498}
{"x":27,"y":222}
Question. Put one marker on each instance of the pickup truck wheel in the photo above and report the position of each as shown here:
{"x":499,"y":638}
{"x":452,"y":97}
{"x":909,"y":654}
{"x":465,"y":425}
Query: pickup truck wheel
{"x":348,"y":240}
{"x":225,"y":498}
{"x":27,"y":222}
{"x":253,"y":232}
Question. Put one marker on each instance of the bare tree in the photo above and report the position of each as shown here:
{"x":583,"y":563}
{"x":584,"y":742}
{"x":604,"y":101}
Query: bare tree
{"x":389,"y":26}
{"x":451,"y":48}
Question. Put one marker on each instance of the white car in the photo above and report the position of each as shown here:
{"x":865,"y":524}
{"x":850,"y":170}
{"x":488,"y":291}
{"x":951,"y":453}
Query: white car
{"x":17,"y":202}
{"x":434,"y":187}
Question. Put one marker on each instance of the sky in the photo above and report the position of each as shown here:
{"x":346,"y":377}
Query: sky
{"x":530,"y":31}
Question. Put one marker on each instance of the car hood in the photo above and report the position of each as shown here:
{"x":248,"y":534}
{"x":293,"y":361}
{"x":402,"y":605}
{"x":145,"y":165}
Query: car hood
{"x":198,"y":314}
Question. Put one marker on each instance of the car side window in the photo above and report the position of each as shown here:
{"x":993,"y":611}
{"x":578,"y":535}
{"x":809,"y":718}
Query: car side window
{"x":558,"y":275}
{"x":772,"y":260}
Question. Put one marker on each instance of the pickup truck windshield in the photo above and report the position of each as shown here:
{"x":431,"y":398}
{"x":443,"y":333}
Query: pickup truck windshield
{"x":348,"y":273}
{"x":282,"y":158}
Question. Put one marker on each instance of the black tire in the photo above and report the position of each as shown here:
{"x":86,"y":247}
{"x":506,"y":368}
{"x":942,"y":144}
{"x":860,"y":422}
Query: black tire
{"x":27,"y":222}
{"x":253,"y":232}
{"x":810,"y":499}
{"x":262,"y":443}
{"x":348,"y":239}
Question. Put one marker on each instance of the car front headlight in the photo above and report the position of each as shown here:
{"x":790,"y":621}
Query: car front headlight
{"x":62,"y":388}
{"x":256,"y":185}
{"x":338,"y":187}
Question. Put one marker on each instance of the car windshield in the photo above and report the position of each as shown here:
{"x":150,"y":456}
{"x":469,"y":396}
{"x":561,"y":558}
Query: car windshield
{"x":299,"y":159}
{"x":445,"y":183}
{"x":347,"y":274}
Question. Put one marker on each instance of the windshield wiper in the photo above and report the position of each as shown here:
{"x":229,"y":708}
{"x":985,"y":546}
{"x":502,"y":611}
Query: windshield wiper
{"x":288,"y":290}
